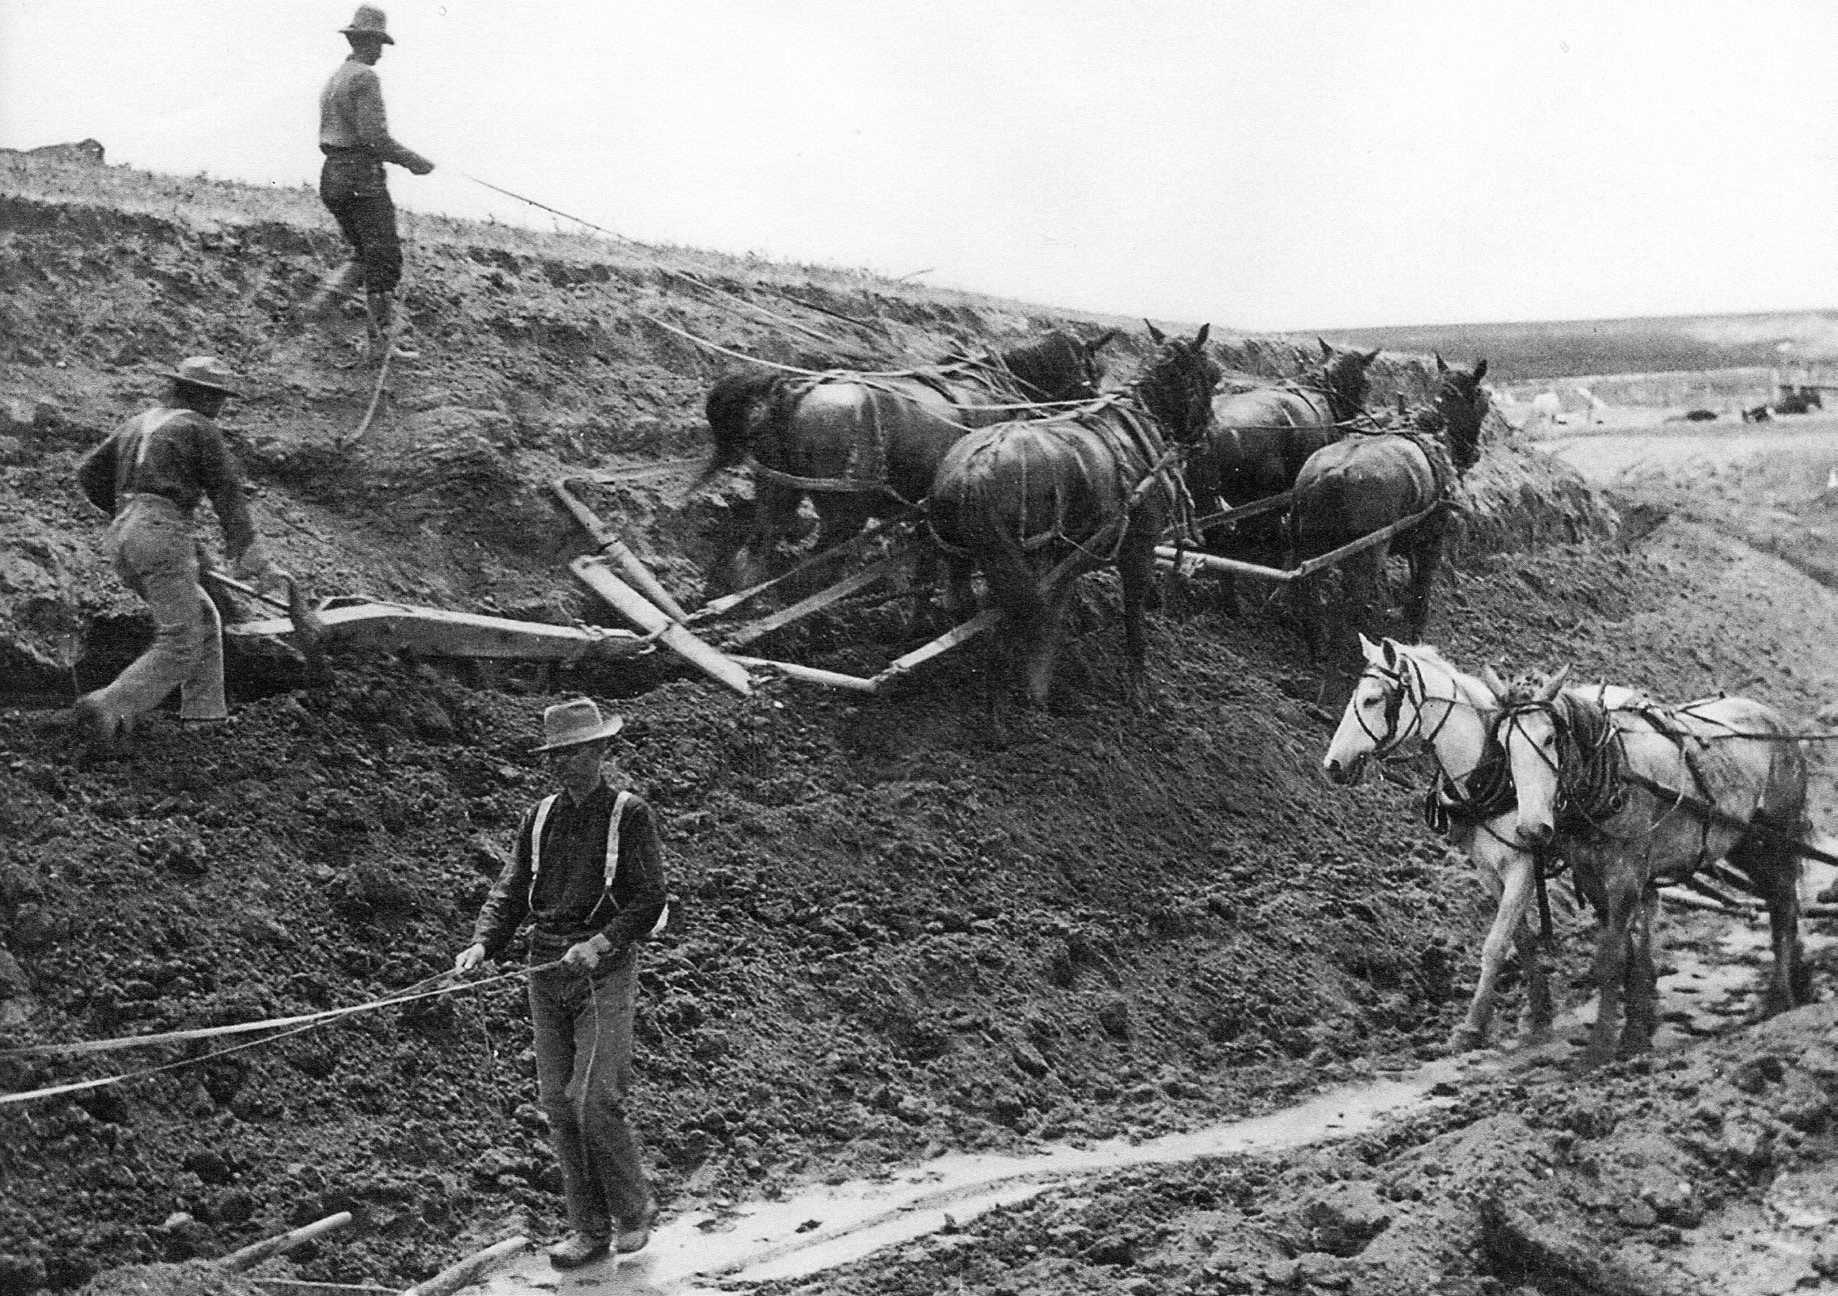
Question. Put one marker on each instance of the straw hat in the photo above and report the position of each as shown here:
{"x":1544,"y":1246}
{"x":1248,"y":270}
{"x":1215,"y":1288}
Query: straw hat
{"x":205,"y":371}
{"x":569,"y":724}
{"x":369,"y":21}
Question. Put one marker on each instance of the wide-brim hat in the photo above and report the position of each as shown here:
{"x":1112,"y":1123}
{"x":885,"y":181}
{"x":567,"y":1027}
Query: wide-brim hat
{"x":369,"y":21}
{"x":569,"y":724}
{"x":208,"y":372}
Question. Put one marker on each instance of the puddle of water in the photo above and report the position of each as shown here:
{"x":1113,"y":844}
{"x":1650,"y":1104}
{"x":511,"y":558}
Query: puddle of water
{"x":766,"y":1239}
{"x":824,"y":1227}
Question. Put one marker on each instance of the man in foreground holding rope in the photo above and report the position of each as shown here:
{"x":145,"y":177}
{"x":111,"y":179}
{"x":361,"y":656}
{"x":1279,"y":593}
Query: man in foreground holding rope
{"x":588,"y":873}
{"x":354,"y":136}
{"x":149,"y":476}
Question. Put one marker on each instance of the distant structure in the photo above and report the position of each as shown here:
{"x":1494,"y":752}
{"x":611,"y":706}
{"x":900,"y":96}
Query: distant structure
{"x":1547,"y":406}
{"x":82,"y":153}
{"x":1598,"y":408}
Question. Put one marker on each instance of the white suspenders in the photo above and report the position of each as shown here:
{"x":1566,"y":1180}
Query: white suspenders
{"x":613,"y":822}
{"x":150,"y":422}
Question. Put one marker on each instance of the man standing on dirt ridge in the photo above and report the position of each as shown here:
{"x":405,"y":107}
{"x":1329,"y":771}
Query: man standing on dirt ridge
{"x":589,"y":874}
{"x":354,"y":136}
{"x":149,"y":476}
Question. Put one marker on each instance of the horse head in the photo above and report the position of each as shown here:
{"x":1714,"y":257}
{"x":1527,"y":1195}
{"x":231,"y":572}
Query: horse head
{"x":1536,"y":730}
{"x":1371,"y":726}
{"x":733,"y":407}
{"x":1057,"y":367}
{"x":1463,"y":404}
{"x":1343,"y":378}
{"x":1177,"y":384}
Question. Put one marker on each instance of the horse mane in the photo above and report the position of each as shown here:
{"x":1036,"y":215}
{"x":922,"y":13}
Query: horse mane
{"x":1344,"y":380}
{"x":1422,"y":653}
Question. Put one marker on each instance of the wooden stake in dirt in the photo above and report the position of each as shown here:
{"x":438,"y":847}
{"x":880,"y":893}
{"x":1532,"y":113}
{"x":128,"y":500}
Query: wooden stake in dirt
{"x":629,"y":603}
{"x":616,"y":549}
{"x":254,"y":1254}
{"x":454,"y":1277}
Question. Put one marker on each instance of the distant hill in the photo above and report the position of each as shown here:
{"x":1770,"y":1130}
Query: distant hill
{"x":1560,"y":348}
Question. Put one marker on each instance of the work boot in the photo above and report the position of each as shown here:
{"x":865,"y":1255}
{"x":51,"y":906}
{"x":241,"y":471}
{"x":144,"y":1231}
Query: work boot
{"x":634,"y":1237}
{"x":382,"y":330}
{"x":577,"y":1249}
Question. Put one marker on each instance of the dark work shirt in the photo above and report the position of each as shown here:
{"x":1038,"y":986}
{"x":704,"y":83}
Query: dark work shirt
{"x":185,"y":460}
{"x":569,"y":901}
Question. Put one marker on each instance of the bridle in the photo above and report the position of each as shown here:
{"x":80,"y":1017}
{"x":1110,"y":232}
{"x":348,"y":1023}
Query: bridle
{"x":1586,"y":767}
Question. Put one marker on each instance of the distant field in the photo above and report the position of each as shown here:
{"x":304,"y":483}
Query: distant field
{"x":1521,"y":352}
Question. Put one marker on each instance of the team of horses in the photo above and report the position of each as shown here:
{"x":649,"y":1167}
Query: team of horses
{"x":1022,"y":469}
{"x":1627,"y":794}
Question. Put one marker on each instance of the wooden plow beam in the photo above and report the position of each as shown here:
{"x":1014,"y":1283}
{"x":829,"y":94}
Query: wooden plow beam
{"x":746,"y":634}
{"x":895,"y":671}
{"x":615,"y":548}
{"x":1256,"y":508}
{"x":1169,"y":556}
{"x":592,"y":571}
{"x":728,"y":602}
{"x":436,"y":632}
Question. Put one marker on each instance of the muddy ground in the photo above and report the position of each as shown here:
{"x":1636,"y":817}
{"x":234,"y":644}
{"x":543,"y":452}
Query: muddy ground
{"x":900,"y":930}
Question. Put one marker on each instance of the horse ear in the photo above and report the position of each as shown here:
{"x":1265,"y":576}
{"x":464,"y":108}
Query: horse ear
{"x":1199,"y":339}
{"x":1326,"y":350}
{"x":1155,"y":334}
{"x":1491,"y":678}
{"x":1441,"y":364}
{"x":1480,"y":369}
{"x":1554,"y":685}
{"x":1373,"y":653}
{"x":1372,"y":355}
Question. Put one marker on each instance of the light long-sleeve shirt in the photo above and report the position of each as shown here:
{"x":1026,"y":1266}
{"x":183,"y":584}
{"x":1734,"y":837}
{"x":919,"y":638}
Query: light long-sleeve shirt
{"x":351,"y":116}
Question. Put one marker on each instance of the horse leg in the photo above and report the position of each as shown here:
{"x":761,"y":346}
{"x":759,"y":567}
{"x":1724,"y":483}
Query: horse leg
{"x":1136,"y":568}
{"x":1775,"y":871}
{"x":1642,"y":979}
{"x":1507,"y":875}
{"x":1043,"y":642}
{"x":1348,"y":615}
{"x":1621,"y":903}
{"x":775,"y":511}
{"x":1425,"y":556}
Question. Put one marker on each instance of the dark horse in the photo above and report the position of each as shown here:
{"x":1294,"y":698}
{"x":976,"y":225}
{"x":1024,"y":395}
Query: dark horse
{"x":1365,"y":482}
{"x":864,"y":445}
{"x":1261,"y":438}
{"x":1036,"y":504}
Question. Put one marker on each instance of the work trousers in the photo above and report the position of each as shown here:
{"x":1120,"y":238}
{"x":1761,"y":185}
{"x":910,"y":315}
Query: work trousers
{"x":156,"y":556}
{"x":354,"y":191}
{"x":583,"y":1028}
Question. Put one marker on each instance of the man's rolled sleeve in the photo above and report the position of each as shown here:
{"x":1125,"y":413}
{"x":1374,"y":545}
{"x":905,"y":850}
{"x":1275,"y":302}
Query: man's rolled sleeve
{"x":509,"y":902}
{"x":641,"y":860}
{"x":371,"y":121}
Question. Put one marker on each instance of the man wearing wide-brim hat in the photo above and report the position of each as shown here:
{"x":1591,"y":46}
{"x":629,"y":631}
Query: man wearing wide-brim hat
{"x":588,"y":873}
{"x":149,"y":476}
{"x":354,"y":136}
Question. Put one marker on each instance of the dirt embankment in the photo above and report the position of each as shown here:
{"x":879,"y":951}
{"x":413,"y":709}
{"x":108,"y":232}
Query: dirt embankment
{"x":898,"y":929}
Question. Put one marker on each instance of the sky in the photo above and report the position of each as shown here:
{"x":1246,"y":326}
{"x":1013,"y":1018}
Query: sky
{"x":1284,"y":164}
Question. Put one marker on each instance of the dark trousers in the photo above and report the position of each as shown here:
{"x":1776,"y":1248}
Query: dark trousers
{"x":354,"y":191}
{"x":583,"y":1027}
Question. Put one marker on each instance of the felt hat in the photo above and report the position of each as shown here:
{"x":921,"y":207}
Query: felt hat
{"x":205,"y":371}
{"x":369,"y":21}
{"x":569,"y":724}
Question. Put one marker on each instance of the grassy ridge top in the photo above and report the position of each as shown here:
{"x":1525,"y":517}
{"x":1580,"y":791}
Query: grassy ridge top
{"x":1658,"y":344}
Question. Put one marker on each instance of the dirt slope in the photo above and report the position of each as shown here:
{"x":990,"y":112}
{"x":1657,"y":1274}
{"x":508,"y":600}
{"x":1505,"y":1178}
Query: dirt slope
{"x":900,"y":928}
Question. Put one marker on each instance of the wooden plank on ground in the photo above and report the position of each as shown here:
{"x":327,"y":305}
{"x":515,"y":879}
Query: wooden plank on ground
{"x":1165,"y":556}
{"x":592,"y":571}
{"x":454,"y":1277}
{"x":256,"y":1252}
{"x":848,"y":585}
